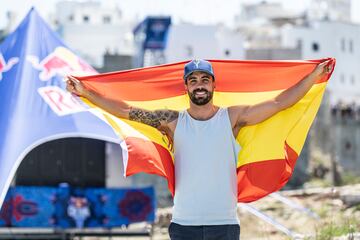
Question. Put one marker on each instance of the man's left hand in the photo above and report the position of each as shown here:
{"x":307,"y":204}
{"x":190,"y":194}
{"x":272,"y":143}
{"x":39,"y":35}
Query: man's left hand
{"x":324,"y":68}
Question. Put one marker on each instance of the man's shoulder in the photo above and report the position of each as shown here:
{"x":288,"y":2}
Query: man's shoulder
{"x":235,"y":113}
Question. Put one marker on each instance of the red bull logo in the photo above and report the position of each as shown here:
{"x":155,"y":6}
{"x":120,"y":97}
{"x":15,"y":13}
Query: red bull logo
{"x":6,"y":66}
{"x":60,"y":101}
{"x":60,"y":62}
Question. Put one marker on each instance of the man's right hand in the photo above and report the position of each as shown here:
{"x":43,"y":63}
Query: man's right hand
{"x":75,"y":86}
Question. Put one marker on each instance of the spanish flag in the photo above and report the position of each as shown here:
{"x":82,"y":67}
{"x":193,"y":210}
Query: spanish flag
{"x":269,"y":149}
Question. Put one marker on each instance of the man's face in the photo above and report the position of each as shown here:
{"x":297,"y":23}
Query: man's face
{"x":200,"y":87}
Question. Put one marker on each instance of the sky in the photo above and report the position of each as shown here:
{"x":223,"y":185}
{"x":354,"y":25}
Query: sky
{"x":195,"y":11}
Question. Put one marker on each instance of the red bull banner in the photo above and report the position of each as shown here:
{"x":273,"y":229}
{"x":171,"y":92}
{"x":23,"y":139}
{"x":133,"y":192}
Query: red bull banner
{"x":35,"y":107}
{"x":269,"y":149}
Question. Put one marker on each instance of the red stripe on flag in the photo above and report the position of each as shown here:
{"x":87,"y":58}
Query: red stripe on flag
{"x":231,"y":76}
{"x":256,"y":180}
{"x":150,"y":157}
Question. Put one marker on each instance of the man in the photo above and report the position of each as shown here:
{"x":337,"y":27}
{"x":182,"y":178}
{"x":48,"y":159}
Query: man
{"x":204,"y":138}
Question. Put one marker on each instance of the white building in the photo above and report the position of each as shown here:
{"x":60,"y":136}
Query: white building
{"x":260,"y":23}
{"x":251,"y":12}
{"x":91,"y":30}
{"x":335,"y":10}
{"x":322,"y":30}
{"x":188,"y":41}
{"x":341,"y":40}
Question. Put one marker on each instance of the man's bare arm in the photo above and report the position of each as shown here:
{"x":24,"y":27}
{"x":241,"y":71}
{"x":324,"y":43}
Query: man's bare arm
{"x":120,"y":108}
{"x":249,"y":115}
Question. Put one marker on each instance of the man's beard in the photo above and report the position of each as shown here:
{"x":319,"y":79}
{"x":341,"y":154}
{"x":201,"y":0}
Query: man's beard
{"x":200,"y":100}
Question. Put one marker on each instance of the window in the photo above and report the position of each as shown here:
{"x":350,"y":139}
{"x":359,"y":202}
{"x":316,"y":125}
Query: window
{"x":106,"y":19}
{"x":227,"y":52}
{"x":86,"y":18}
{"x":315,"y":47}
{"x":343,"y":45}
{"x":350,"y":46}
{"x":299,"y":43}
{"x":342,"y":78}
{"x":348,"y":145}
{"x":189,"y":51}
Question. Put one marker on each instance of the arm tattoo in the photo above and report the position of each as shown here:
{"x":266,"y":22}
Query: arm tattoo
{"x":152,"y":118}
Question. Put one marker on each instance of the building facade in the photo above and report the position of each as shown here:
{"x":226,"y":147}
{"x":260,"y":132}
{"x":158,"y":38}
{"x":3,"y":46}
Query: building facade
{"x":93,"y":30}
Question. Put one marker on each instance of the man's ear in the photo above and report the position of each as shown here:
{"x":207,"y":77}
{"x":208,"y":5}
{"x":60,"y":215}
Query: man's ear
{"x":186,"y":87}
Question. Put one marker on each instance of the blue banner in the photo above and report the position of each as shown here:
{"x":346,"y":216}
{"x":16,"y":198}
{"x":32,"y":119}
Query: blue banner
{"x":66,"y":207}
{"x":155,"y":30}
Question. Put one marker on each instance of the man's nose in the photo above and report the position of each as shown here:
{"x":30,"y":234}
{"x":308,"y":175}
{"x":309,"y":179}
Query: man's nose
{"x":200,"y":85}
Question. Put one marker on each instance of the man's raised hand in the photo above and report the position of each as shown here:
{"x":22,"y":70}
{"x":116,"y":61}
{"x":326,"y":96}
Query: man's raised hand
{"x":74,"y":86}
{"x":324,"y":68}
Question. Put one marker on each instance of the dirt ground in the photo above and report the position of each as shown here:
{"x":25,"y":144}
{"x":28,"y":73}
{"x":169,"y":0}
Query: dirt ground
{"x":333,"y":216}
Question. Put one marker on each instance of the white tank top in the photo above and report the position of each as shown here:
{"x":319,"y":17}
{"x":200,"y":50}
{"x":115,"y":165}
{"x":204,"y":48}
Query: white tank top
{"x":205,"y":171}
